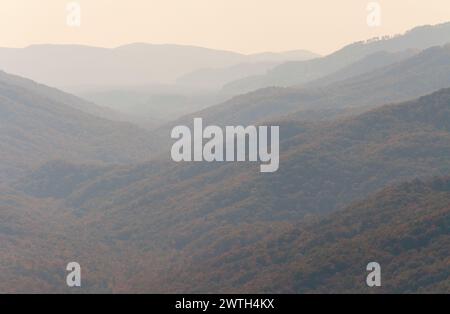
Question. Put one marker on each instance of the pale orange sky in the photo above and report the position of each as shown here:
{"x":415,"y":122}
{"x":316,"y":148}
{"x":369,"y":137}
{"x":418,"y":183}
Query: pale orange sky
{"x":240,"y":25}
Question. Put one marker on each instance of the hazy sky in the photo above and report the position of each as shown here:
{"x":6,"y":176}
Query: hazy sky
{"x":240,"y":25}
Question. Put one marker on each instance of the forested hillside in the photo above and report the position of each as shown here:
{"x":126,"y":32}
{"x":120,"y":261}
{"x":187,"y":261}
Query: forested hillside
{"x":38,"y":123}
{"x":404,"y":228}
{"x":167,"y":212}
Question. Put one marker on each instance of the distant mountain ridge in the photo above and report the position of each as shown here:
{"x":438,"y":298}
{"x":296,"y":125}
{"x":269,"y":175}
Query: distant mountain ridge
{"x":370,"y":63}
{"x":297,"y":73}
{"x":76,"y":66}
{"x":260,"y":63}
{"x":408,"y":77}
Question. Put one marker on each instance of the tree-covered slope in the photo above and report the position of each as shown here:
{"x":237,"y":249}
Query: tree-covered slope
{"x":198,"y":212}
{"x":405,"y":228}
{"x":38,"y":123}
